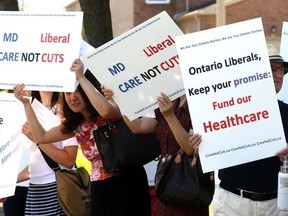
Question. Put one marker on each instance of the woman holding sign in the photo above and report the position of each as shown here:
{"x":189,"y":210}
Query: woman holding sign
{"x":42,"y":196}
{"x":83,"y":112}
{"x":173,"y":127}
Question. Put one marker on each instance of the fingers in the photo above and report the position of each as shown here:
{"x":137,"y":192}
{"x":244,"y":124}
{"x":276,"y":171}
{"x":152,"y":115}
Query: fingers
{"x":19,"y":91}
{"x":18,"y":87}
{"x":77,"y":63}
{"x":194,"y":142}
{"x":26,"y":129}
{"x":108,"y":93}
{"x":282,"y":154}
{"x":164,"y":100}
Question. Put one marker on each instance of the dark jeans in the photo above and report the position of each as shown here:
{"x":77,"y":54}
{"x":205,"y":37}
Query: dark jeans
{"x":15,"y":205}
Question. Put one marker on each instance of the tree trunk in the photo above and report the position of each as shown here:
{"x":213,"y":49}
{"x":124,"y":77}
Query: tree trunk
{"x":9,"y":5}
{"x":97,"y":21}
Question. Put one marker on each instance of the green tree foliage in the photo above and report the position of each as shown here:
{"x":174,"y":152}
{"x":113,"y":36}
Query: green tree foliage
{"x":97,"y":21}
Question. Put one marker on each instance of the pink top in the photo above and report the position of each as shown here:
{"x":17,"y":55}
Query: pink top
{"x":84,"y":136}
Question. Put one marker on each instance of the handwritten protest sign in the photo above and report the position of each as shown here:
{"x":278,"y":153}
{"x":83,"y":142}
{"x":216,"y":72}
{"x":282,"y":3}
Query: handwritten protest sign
{"x":37,"y":49}
{"x":12,"y":116}
{"x":140,"y":64}
{"x":231,"y":94}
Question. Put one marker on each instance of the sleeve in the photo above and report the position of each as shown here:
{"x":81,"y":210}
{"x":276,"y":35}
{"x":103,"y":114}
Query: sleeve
{"x":70,"y":142}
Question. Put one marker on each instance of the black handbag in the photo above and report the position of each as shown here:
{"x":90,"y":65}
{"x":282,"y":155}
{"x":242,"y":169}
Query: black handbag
{"x":180,"y":182}
{"x":121,"y":150}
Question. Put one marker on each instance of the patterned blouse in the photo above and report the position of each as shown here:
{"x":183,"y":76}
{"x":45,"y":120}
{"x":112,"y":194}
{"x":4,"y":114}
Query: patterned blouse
{"x":84,"y":136}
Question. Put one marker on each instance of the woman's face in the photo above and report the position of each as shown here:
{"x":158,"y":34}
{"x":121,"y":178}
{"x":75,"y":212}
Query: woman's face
{"x":75,"y":101}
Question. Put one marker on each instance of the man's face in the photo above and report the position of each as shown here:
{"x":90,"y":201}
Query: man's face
{"x":278,"y":70}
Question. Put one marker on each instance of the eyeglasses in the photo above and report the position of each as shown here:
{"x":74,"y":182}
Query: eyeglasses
{"x":281,"y":69}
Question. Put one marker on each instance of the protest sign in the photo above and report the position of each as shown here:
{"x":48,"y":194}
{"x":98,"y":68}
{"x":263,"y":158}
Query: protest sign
{"x":12,"y":117}
{"x":140,"y":64}
{"x":284,"y":41}
{"x":37,"y":49}
{"x":231,"y":94}
{"x":283,"y":94}
{"x":46,"y":118}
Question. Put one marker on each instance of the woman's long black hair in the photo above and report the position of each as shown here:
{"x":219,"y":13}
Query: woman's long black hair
{"x":71,"y":119}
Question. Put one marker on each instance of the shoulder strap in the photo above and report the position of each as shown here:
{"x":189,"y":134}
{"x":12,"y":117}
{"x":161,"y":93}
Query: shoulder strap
{"x":51,"y":163}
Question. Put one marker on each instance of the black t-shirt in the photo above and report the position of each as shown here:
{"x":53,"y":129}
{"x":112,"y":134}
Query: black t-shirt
{"x":261,"y":175}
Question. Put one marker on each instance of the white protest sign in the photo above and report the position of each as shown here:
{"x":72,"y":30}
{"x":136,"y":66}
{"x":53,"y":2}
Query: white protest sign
{"x":38,"y":49}
{"x":284,"y":41}
{"x":231,"y":94}
{"x":283,"y":94}
{"x":85,"y":48}
{"x":140,"y":64}
{"x":12,"y":117}
{"x":46,"y":118}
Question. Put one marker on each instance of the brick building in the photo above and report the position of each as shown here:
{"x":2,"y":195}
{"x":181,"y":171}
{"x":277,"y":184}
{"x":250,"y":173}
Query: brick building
{"x":196,"y":15}
{"x":190,"y":15}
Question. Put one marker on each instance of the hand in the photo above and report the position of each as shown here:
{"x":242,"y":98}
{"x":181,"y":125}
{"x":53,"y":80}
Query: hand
{"x":194,"y":142}
{"x":165,"y":105}
{"x":77,"y":67}
{"x":21,"y":94}
{"x":108,"y":93}
{"x":282,"y":153}
{"x":27,"y":132}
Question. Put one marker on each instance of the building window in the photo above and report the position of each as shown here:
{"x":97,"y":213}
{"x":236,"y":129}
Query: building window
{"x":157,"y":1}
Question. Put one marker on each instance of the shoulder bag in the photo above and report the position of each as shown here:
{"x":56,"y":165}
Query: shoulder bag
{"x":121,"y":150}
{"x":180,"y":182}
{"x":73,"y":188}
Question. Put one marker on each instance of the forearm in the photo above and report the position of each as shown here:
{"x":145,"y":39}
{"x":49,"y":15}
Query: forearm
{"x":65,"y":157}
{"x":180,"y":134}
{"x":23,"y":175}
{"x":141,"y":125}
{"x":107,"y":109}
{"x":36,"y":128}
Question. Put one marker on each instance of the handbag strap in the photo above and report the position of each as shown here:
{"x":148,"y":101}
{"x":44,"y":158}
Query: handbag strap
{"x":51,"y":163}
{"x":112,"y":128}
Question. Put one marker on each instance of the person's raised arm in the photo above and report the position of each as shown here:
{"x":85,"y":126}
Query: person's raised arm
{"x":107,"y":109}
{"x":181,"y":135}
{"x":65,"y":157}
{"x":140,"y":125}
{"x":38,"y":132}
